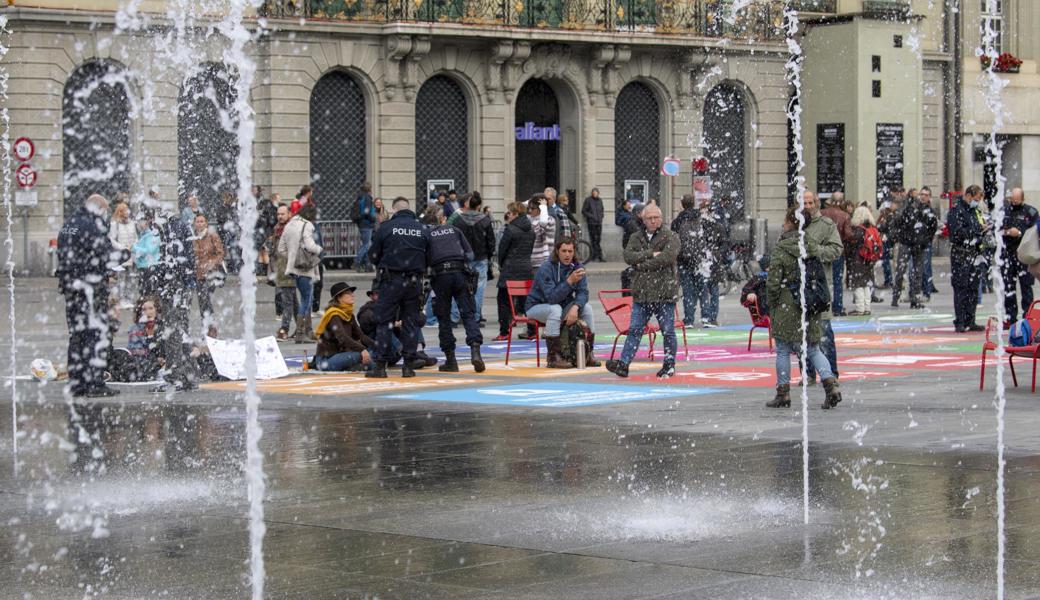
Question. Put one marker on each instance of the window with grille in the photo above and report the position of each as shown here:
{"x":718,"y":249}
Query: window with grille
{"x":95,"y":134}
{"x":994,"y":17}
{"x":338,"y":144}
{"x":637,"y":141}
{"x":725,"y":141}
{"x":441,"y":136}
{"x":207,"y":145}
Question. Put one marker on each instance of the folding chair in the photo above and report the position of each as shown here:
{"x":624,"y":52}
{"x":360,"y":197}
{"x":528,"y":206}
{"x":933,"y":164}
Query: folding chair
{"x":759,"y":321}
{"x":520,"y":289}
{"x":619,"y":311}
{"x":1032,"y":351}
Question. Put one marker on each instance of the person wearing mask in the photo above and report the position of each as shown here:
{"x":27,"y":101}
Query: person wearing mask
{"x":652,"y":253}
{"x":967,"y":231}
{"x":514,"y":261}
{"x":1018,"y":218}
{"x":592,"y":210}
{"x":916,"y":225}
{"x":837,"y":210}
{"x":399,"y":251}
{"x":342,"y":345}
{"x":123,"y":233}
{"x":285,"y":285}
{"x":86,"y":260}
{"x":299,"y":236}
{"x":209,"y":270}
{"x":480,"y":233}
{"x":860,"y":270}
{"x":785,"y":276}
{"x":824,"y":232}
{"x":367,"y":219}
{"x":191,"y":208}
{"x":560,"y":295}
{"x":448,"y":259}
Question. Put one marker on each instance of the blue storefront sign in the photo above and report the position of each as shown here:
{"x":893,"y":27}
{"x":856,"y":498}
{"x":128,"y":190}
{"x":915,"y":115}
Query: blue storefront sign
{"x":555,"y":395}
{"x":530,"y":132}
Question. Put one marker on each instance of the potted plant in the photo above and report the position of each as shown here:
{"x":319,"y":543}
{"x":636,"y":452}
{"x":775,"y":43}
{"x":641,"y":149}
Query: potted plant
{"x":1006,"y":63}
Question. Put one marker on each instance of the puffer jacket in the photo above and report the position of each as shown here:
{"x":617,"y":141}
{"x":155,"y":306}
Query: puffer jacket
{"x":514,"y":251}
{"x":785,"y":311}
{"x":654,"y":278}
{"x":289,"y":245}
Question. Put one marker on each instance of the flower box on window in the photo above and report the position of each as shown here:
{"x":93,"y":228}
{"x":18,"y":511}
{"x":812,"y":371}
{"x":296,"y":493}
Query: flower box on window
{"x":1006,"y":63}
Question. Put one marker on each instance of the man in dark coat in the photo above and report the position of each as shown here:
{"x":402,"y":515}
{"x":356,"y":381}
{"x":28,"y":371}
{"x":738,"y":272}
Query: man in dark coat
{"x":1018,"y":218}
{"x":965,"y":225}
{"x":86,"y":259}
{"x":916,"y":228}
{"x":514,"y":261}
{"x":480,"y":233}
{"x":177,"y":281}
{"x":592,"y":210}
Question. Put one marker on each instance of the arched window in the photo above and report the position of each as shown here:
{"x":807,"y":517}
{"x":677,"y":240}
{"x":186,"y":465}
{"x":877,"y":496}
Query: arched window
{"x":95,"y":133}
{"x":207,"y":145}
{"x":637,"y":144}
{"x":338,"y":144}
{"x":725,"y":141}
{"x":441,"y":138}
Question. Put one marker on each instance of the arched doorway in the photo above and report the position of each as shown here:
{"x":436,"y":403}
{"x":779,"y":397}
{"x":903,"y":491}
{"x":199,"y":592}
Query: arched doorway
{"x":95,"y":125}
{"x":441,"y":139}
{"x":338,"y":144}
{"x":637,"y":144}
{"x":207,"y":145}
{"x":537,"y":134}
{"x":725,"y":145}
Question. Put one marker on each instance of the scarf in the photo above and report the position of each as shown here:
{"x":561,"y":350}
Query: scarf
{"x":334,"y":311}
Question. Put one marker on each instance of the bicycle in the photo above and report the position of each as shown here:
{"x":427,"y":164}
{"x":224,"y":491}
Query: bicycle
{"x":582,"y":247}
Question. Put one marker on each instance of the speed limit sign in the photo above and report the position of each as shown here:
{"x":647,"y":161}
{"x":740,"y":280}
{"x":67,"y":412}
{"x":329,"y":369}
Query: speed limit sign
{"x":25,"y":175}
{"x":23,"y":149}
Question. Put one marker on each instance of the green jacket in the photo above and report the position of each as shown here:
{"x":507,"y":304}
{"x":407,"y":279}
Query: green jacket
{"x":281,"y":279}
{"x":825,"y":234}
{"x":784,"y":311}
{"x":654,"y":278}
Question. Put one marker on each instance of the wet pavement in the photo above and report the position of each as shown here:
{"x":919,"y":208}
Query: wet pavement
{"x":520,"y":483}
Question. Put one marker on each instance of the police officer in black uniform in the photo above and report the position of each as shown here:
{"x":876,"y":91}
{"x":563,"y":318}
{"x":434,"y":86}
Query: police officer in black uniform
{"x":449,"y":256}
{"x":86,"y":258}
{"x":399,"y":249}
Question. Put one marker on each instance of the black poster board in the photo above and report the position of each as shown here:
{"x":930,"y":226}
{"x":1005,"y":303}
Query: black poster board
{"x":889,"y":157}
{"x":830,"y":158}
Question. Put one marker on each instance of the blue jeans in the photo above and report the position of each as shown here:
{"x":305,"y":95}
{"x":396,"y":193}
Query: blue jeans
{"x":838,"y":279}
{"x":708,"y":292}
{"x":641,"y":313}
{"x":886,"y":262}
{"x":306,"y":289}
{"x":829,"y":350}
{"x":690,"y":294}
{"x":338,"y":362}
{"x":552,"y":316}
{"x":366,"y":243}
{"x":481,"y":266}
{"x":784,"y":350}
{"x":431,"y":319}
{"x":927,"y":285}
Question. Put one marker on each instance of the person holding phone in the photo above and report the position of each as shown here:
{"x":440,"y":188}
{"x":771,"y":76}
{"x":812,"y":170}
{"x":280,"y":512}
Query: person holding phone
{"x":560,"y":295}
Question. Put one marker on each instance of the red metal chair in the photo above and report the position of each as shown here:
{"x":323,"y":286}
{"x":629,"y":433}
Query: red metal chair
{"x":993,"y":324}
{"x":520,"y":289}
{"x":619,"y":311}
{"x":759,"y":321}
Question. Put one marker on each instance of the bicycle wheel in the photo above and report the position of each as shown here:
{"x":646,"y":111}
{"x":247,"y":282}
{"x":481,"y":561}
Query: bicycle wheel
{"x":582,"y":251}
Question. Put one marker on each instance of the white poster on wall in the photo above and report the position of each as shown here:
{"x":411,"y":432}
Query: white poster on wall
{"x":229,"y":357}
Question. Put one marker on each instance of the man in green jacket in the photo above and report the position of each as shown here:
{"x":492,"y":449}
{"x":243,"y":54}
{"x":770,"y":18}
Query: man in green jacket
{"x":825,"y":234}
{"x":784,"y":279}
{"x":655,"y":289}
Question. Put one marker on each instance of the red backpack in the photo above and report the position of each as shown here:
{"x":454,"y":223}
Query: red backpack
{"x":872,"y":248}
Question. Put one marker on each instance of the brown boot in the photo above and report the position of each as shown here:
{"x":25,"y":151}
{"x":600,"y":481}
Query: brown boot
{"x":299,"y":336}
{"x":555,"y":358}
{"x":282,"y":335}
{"x":310,"y":329}
{"x":833,"y":390}
{"x":590,"y":359}
{"x":783,"y":397}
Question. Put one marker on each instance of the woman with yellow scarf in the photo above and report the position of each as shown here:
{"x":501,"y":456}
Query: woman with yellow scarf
{"x":342,"y":346}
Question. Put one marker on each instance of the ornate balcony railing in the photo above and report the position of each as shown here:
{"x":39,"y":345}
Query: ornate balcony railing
{"x":760,"y":20}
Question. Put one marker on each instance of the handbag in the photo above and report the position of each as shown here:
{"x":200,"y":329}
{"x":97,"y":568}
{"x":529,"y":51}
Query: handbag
{"x":1029,"y":247}
{"x":305,"y":259}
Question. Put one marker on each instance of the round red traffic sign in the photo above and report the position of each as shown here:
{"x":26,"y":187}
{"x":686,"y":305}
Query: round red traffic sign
{"x":25,"y":175}
{"x":24,"y":149}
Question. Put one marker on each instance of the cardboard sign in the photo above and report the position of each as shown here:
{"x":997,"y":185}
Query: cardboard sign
{"x":229,"y":356}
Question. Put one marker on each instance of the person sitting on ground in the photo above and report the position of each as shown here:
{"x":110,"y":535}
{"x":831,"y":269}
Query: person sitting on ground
{"x":342,"y":346}
{"x":785,"y":277}
{"x":142,"y":358}
{"x":755,"y":288}
{"x":560,"y":293}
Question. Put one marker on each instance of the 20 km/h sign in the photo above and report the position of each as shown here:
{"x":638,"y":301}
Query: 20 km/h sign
{"x":23,"y":149}
{"x":25,"y":175}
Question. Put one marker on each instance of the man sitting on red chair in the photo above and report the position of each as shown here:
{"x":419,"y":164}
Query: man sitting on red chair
{"x":560,"y":293}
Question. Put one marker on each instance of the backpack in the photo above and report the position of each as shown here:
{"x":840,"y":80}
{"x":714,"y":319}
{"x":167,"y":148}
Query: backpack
{"x":872,"y":248}
{"x":1021,"y":333}
{"x":570,"y":337}
{"x":817,"y":292}
{"x":355,"y":210}
{"x":689,"y":234}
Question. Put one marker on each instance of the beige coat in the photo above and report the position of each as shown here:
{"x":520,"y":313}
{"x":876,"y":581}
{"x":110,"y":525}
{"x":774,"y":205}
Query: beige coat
{"x":289,"y":245}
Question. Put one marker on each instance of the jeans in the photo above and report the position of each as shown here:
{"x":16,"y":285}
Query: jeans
{"x":366,"y":243}
{"x":690,"y":294}
{"x":927,"y":284}
{"x":290,"y":307}
{"x":829,"y":350}
{"x":886,"y":262}
{"x":552,"y":315}
{"x":909,"y":262}
{"x":641,"y":313}
{"x":338,"y":362}
{"x":306,"y":289}
{"x":204,"y":290}
{"x":838,"y":280}
{"x":708,"y":292}
{"x":784,"y":350}
{"x":478,"y":298}
{"x":431,"y":317}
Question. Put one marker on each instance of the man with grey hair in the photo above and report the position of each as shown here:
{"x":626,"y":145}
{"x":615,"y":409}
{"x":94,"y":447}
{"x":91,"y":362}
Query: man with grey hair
{"x":86,"y":260}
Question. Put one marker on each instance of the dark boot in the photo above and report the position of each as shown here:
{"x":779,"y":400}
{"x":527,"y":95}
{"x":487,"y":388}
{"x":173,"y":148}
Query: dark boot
{"x":407,"y":370}
{"x":667,"y":370}
{"x":783,"y":397}
{"x":618,"y":368}
{"x":378,"y":370}
{"x":833,"y":390}
{"x":590,"y":359}
{"x":476,"y":359}
{"x":310,"y":329}
{"x":450,"y":364}
{"x":555,"y":358}
{"x":299,"y":336}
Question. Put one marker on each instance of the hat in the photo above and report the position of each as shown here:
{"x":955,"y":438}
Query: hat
{"x":339,"y":288}
{"x":763,"y":262}
{"x":374,"y":289}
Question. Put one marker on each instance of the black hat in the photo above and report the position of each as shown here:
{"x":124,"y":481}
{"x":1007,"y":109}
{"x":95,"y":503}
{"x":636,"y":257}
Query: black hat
{"x":338,"y":288}
{"x":374,"y":289}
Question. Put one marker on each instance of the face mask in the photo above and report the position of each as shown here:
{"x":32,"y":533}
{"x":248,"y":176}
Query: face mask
{"x":974,"y":204}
